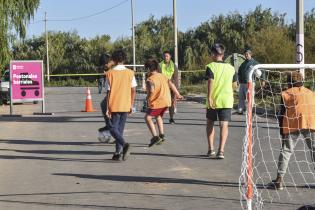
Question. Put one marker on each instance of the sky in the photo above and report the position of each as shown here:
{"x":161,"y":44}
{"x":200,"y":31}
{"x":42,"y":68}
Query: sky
{"x":116,"y":22}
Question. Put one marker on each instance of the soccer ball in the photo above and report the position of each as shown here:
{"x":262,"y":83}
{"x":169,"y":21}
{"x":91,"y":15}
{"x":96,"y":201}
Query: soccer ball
{"x":258,"y":73}
{"x":104,"y":136}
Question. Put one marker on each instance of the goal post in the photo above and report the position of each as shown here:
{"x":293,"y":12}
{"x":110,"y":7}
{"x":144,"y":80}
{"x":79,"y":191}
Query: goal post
{"x":249,"y":185}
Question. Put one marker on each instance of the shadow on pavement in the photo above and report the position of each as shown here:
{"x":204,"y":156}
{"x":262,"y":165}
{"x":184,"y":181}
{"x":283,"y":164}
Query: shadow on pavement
{"x":61,"y":205}
{"x":120,"y":178}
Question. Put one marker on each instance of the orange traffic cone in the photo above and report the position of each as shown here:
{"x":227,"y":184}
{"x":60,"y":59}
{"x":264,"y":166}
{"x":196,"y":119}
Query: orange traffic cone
{"x":88,"y":102}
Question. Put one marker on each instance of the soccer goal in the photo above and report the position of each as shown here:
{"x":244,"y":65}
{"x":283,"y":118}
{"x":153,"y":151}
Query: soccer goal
{"x":263,"y":143}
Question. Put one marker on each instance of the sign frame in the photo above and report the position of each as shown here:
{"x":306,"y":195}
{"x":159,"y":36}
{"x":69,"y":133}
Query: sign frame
{"x":42,"y":99}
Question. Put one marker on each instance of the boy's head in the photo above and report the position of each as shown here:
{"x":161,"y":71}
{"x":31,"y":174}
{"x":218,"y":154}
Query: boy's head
{"x":167,"y":56}
{"x":294,"y":79}
{"x":151,"y":65}
{"x":248,"y":53}
{"x":104,"y":59}
{"x":217,"y":50}
{"x":119,"y":56}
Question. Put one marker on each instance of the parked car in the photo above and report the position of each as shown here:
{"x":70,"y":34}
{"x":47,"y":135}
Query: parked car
{"x":5,"y":87}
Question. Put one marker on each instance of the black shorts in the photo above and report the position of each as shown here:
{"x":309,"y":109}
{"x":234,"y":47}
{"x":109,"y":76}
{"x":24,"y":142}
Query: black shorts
{"x":221,"y":114}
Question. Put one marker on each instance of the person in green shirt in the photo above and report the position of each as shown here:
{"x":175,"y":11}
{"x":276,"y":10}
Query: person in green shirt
{"x":169,"y":69}
{"x":222,"y":79}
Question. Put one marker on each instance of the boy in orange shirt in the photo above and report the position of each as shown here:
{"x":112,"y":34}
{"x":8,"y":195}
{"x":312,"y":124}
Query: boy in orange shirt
{"x":121,"y":87}
{"x":158,"y":98}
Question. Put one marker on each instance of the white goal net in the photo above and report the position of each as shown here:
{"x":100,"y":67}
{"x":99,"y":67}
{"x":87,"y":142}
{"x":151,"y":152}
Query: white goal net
{"x":270,"y":155}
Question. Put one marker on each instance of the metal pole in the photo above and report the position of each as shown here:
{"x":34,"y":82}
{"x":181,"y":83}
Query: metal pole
{"x":47,"y":52}
{"x":133,"y":35}
{"x":175,"y":40}
{"x":300,"y":33}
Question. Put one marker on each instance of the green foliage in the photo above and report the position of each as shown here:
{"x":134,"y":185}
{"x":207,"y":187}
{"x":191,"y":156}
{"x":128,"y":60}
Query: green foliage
{"x":267,"y":33}
{"x":14,"y":15}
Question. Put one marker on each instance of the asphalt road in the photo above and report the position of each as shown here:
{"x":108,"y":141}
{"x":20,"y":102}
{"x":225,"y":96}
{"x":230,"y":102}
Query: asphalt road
{"x":56,"y":162}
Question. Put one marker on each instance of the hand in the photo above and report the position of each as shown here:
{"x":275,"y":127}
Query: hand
{"x":108,"y":114}
{"x":179,"y":97}
{"x":211,"y":103}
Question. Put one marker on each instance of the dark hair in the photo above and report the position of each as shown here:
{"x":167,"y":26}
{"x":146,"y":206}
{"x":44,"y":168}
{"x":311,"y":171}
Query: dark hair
{"x":217,"y":49}
{"x":151,"y":65}
{"x":167,"y":52}
{"x":119,"y":56}
{"x":104,"y":59}
{"x":294,"y":79}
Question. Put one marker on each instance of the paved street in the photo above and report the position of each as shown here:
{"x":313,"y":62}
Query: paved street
{"x":56,"y":162}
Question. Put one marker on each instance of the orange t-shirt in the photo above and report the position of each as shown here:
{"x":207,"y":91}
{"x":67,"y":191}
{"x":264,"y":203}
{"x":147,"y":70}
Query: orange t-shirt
{"x":120,"y":90}
{"x":300,"y":106}
{"x":160,"y":96}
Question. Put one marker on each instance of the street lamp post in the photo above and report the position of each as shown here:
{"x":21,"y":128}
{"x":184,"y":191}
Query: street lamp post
{"x":300,"y":33}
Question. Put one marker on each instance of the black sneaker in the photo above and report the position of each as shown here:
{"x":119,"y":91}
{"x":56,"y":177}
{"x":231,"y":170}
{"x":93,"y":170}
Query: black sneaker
{"x":103,"y":129}
{"x":126,"y":152}
{"x":162,"y":137}
{"x":155,"y":140}
{"x":275,"y":185}
{"x":172,"y":121}
{"x":116,"y":157}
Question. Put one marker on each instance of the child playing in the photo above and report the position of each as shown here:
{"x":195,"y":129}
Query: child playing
{"x":121,"y":92}
{"x":158,"y":99}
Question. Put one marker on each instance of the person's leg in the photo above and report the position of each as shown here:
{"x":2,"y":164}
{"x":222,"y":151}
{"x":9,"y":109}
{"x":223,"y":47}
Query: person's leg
{"x":100,"y":84}
{"x":114,"y":131}
{"x":242,"y":98}
{"x":159,"y":122}
{"x":210,"y":134}
{"x":150,"y":124}
{"x":285,"y":154}
{"x":309,"y":137}
{"x":103,"y":105}
{"x":122,"y":122}
{"x":224,"y":131}
{"x":172,"y":108}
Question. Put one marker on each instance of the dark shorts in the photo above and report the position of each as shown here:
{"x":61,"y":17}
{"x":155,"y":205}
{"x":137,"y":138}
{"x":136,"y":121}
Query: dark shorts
{"x":221,"y":114}
{"x":157,"y":112}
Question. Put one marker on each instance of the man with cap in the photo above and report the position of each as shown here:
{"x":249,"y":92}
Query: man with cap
{"x":296,"y":118}
{"x":222,"y":79}
{"x":243,"y":78}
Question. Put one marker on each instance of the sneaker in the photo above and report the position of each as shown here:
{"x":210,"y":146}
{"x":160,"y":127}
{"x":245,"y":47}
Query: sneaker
{"x":210,"y":153}
{"x":220,"y":155}
{"x":116,"y":157}
{"x":162,"y":137}
{"x":103,"y":129}
{"x":155,"y":140}
{"x":240,"y":111}
{"x":276,"y":185}
{"x":172,"y":121}
{"x":126,"y":152}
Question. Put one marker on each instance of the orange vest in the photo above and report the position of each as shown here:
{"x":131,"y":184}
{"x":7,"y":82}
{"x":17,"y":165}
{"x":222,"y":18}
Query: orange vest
{"x":300,"y":109}
{"x":120,"y":90}
{"x":160,"y":96}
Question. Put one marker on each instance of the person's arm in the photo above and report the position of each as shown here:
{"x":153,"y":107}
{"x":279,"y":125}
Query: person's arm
{"x":133,"y":96}
{"x":107,"y":89}
{"x":210,"y":77}
{"x":108,"y":113}
{"x":280,"y":115}
{"x":174,"y":89}
{"x":133,"y":92}
{"x":210,"y":88}
{"x":234,"y":82}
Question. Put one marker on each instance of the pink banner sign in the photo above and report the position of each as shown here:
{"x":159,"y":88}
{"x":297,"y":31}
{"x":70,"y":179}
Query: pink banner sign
{"x":26,"y":80}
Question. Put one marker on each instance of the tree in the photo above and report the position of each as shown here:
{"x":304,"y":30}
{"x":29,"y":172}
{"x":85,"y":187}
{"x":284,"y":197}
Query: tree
{"x":14,"y":15}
